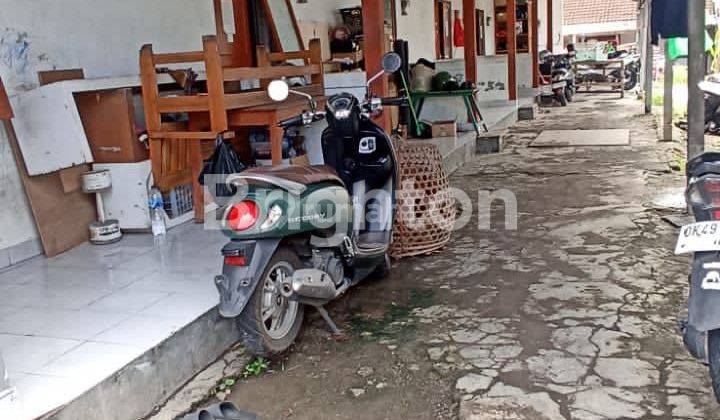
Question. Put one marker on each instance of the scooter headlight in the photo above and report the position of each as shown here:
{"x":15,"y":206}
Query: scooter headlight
{"x":273,"y":217}
{"x":341,"y":114}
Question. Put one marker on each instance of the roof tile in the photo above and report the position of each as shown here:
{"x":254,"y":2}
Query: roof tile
{"x":577,"y":12}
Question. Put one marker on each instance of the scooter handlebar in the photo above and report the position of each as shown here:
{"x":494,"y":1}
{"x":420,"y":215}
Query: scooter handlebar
{"x":306,"y":118}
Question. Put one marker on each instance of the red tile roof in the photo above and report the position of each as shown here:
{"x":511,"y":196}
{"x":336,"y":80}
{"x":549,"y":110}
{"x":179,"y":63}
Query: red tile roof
{"x":578,"y":12}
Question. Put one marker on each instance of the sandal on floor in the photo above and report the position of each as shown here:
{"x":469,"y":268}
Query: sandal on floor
{"x":228,"y":411}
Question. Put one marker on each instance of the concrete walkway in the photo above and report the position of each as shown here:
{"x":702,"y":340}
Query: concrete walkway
{"x":571,"y":316}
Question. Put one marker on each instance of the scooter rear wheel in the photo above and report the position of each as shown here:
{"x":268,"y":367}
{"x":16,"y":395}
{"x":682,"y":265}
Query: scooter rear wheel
{"x":714,"y":360}
{"x":270,"y":322}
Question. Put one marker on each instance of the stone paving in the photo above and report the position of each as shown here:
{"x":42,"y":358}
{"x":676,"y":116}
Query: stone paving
{"x":588,"y":287}
{"x":571,"y":316}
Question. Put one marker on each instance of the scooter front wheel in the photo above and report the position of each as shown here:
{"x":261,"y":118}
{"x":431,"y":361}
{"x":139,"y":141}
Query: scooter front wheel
{"x":714,"y":360}
{"x":271,"y":322}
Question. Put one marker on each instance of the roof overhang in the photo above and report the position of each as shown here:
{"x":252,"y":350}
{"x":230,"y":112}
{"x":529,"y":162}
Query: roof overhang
{"x":599,"y":28}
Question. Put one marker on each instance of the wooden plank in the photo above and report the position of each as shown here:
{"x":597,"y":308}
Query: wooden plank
{"x":70,"y":178}
{"x":274,"y":72}
{"x":179,"y":57}
{"x":52,"y":76}
{"x":6,"y":111}
{"x":190,"y":103}
{"x":150,"y":90}
{"x":316,"y":60}
{"x":290,"y":55}
{"x":189,"y":135}
{"x":242,"y":46}
{"x":276,"y":137}
{"x":259,"y":98}
{"x":61,"y":219}
{"x":215,"y":86}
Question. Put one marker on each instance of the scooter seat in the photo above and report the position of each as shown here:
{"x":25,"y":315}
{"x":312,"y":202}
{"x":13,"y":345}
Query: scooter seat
{"x":305,"y":175}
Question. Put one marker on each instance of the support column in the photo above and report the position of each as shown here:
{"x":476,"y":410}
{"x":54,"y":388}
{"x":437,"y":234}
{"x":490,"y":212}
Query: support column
{"x":373,"y":15}
{"x":550,"y":34}
{"x":534,"y":42}
{"x":668,"y":96}
{"x":512,"y":50}
{"x":648,"y":69}
{"x":243,"y":50}
{"x":696,"y":74}
{"x":470,"y":40}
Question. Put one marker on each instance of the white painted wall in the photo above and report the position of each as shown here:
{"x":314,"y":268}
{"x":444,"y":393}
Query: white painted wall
{"x":16,"y":222}
{"x":103,"y":38}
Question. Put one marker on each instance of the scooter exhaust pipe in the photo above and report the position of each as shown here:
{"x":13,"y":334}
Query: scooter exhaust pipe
{"x":312,"y":283}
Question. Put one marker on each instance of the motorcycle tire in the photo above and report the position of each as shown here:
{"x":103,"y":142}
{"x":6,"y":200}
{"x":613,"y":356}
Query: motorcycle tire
{"x":569,"y":93}
{"x":714,"y":361}
{"x":250,"y":324}
{"x":562,"y":99}
{"x":631,"y":80}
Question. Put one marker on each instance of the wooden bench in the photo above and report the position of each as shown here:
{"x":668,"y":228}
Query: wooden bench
{"x":176,"y":149}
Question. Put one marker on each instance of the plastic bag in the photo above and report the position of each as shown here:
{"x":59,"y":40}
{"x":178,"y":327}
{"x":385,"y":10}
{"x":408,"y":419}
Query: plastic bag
{"x":223,"y":162}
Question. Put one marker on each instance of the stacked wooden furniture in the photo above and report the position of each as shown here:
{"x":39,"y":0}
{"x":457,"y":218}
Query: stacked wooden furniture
{"x":176,"y":149}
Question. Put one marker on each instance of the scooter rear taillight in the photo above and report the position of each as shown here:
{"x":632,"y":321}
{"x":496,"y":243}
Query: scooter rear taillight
{"x":242,"y":216}
{"x":704,"y":196}
{"x":236,"y":260}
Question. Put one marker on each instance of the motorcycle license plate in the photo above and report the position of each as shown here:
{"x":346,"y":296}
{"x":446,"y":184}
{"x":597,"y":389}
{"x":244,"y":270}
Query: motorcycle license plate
{"x":699,"y":237}
{"x":546,"y":90}
{"x":559,"y":85}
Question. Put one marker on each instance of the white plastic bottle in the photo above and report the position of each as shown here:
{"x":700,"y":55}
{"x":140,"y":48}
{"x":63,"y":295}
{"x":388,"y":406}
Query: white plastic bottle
{"x":157,"y":213}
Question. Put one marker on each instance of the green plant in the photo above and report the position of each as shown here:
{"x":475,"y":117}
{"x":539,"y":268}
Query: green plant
{"x":256,"y":368}
{"x":225,"y":385}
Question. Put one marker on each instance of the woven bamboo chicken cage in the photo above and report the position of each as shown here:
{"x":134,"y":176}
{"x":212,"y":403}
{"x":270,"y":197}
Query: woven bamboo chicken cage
{"x":425,"y":207}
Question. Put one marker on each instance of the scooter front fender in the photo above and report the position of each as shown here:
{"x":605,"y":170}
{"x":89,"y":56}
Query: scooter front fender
{"x":237,"y":283}
{"x":704,"y":300}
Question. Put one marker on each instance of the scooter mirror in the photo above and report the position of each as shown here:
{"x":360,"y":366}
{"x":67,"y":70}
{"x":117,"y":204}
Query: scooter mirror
{"x":391,"y":62}
{"x":278,"y":90}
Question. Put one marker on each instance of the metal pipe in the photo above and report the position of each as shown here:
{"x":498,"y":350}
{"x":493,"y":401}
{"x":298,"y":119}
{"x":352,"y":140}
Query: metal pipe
{"x":696,"y":74}
{"x":668,"y":96}
{"x":648,"y":79}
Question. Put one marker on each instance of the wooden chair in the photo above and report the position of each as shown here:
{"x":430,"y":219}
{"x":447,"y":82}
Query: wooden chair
{"x":176,"y":148}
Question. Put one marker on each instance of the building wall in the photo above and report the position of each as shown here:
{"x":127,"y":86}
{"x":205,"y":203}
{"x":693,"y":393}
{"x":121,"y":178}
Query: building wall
{"x":103,"y":38}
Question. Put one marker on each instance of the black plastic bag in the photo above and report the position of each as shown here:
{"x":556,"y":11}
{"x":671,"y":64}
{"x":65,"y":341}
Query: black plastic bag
{"x":223,"y":162}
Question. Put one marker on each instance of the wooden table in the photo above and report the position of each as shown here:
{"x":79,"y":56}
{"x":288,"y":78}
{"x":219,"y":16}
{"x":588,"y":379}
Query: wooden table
{"x":605,"y":66}
{"x":268,"y":116}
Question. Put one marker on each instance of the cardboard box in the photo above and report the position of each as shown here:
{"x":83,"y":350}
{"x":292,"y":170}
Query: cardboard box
{"x":355,"y":57}
{"x":444,"y":129}
{"x":591,"y":51}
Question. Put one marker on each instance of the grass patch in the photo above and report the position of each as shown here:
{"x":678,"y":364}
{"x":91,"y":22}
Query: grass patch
{"x":394,"y":322}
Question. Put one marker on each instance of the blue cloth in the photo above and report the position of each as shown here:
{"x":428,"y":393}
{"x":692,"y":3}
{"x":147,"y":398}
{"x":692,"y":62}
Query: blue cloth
{"x":669,"y":19}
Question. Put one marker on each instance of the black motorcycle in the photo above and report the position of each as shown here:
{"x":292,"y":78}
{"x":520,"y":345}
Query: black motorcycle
{"x":711,"y":91}
{"x":701,"y":328}
{"x":557,"y":80}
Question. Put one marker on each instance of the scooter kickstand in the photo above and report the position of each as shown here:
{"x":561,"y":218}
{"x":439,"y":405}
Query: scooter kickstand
{"x":337,"y":333}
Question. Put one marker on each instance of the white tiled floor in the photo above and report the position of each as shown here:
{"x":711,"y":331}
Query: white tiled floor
{"x":69,"y":322}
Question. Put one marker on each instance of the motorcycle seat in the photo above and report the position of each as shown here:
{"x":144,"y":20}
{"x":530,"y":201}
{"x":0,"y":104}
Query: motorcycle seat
{"x":305,"y":175}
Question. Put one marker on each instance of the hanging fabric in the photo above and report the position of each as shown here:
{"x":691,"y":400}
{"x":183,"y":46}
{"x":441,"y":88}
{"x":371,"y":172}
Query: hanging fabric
{"x":458,"y":31}
{"x":669,"y":19}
